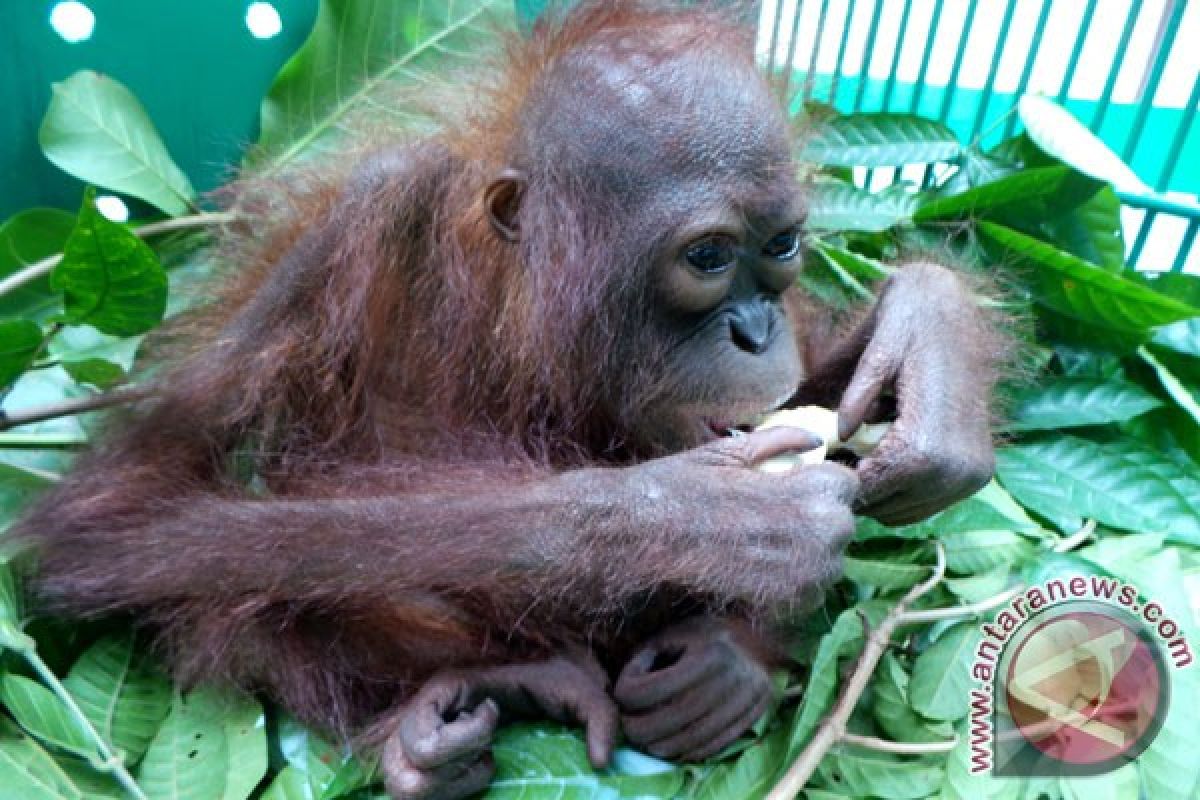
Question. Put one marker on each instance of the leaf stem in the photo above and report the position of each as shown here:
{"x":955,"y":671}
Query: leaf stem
{"x":41,"y":268}
{"x":900,"y":748}
{"x":833,"y":728}
{"x":111,"y":762}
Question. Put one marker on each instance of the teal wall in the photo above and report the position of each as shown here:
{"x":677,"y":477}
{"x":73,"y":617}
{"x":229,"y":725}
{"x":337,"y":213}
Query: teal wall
{"x":192,"y":63}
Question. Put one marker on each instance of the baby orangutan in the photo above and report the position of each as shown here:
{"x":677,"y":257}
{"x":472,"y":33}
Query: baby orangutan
{"x":450,"y":447}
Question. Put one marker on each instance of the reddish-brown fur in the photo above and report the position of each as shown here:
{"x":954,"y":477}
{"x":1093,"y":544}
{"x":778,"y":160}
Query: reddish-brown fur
{"x":397,"y":350}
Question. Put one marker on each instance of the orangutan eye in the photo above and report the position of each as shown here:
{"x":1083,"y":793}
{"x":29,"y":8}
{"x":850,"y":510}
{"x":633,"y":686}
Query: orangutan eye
{"x":783,"y":246}
{"x":713,"y":255}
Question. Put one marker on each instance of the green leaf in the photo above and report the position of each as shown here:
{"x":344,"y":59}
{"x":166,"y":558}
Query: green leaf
{"x":1060,"y":135}
{"x":981,"y":586}
{"x":836,"y":206}
{"x":1069,"y":402}
{"x":96,"y":130}
{"x":26,"y":238}
{"x":29,"y":772}
{"x":354,"y":59}
{"x":941,"y":677}
{"x":883,"y":573}
{"x":246,"y":739}
{"x":962,"y":784}
{"x":188,"y":757}
{"x":1017,"y":189}
{"x":110,"y":279}
{"x":844,"y":639}
{"x":974,"y":551}
{"x":751,"y":775}
{"x":879,"y":140}
{"x":121,"y":692}
{"x":95,"y":372}
{"x":991,"y":508}
{"x":536,"y":760}
{"x":1185,"y":398}
{"x":892,"y":710}
{"x":20,"y":341}
{"x":1182,"y":337}
{"x":42,"y":714}
{"x":1072,"y":286}
{"x":1092,"y":230}
{"x":1120,"y":784}
{"x":1121,"y":483}
{"x":867,"y":773}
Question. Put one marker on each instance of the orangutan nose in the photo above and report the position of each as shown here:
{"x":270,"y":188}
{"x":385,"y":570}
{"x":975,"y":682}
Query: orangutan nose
{"x":750,"y":326}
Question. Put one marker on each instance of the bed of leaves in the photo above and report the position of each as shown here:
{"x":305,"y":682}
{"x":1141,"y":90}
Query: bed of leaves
{"x":1105,"y":439}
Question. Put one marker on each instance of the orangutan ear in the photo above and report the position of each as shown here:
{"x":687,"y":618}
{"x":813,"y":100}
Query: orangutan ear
{"x":502,"y":199}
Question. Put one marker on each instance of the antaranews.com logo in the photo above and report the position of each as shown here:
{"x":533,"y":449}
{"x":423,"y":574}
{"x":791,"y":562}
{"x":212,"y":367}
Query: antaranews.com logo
{"x":1073,"y":679}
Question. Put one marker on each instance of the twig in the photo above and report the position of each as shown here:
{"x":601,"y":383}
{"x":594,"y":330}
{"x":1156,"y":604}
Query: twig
{"x":71,"y":407}
{"x":954,"y":612}
{"x":1064,"y":545}
{"x":1076,"y":539}
{"x":109,"y":761}
{"x":40,"y":268}
{"x":833,"y":728}
{"x":900,"y":748}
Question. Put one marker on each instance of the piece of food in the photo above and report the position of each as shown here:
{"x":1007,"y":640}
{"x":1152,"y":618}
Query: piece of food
{"x":824,"y":423}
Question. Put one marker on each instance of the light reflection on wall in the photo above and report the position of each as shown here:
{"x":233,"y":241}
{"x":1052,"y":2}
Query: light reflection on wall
{"x":72,"y":20}
{"x":263,"y":20}
{"x":112,"y":207}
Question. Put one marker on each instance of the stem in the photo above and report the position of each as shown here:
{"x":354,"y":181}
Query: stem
{"x":71,"y":407}
{"x":112,"y":762}
{"x":833,"y":728}
{"x":954,"y":612}
{"x":40,"y":268}
{"x":900,"y":748}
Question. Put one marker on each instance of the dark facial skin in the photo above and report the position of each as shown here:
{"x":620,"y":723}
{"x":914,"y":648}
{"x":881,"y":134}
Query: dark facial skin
{"x":424,"y":527}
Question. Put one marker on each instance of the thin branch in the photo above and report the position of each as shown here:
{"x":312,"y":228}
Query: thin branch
{"x":41,"y":268}
{"x":954,"y":612}
{"x":1064,"y":545}
{"x":833,"y":728}
{"x":108,"y":760}
{"x":1076,"y":539}
{"x":67,"y":408}
{"x":900,"y":748}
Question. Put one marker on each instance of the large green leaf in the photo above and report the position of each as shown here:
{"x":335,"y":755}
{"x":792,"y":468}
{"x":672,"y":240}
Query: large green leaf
{"x":20,"y":341}
{"x":544,"y":760}
{"x":1122,"y":483}
{"x":1018,"y":189}
{"x":188,"y":758}
{"x":1069,"y":402}
{"x":1071,"y":286}
{"x":842,"y":640}
{"x":245,"y":728}
{"x":110,"y":279}
{"x":26,"y":238}
{"x":941,"y":677}
{"x":357,"y":53}
{"x":1182,"y":337}
{"x":1091,"y":230}
{"x":121,"y":692}
{"x":29,"y":772}
{"x":981,"y":550}
{"x":42,"y":714}
{"x":1060,"y":135}
{"x":892,"y":709}
{"x":1185,"y":395}
{"x":749,"y":776}
{"x":867,"y":773}
{"x":879,"y":140}
{"x":96,"y":130}
{"x":836,"y":206}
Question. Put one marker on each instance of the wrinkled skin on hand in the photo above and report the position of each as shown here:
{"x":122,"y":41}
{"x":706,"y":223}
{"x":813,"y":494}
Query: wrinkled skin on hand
{"x":692,"y":690}
{"x":706,"y":520}
{"x":440,"y":748}
{"x":925,"y":347}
